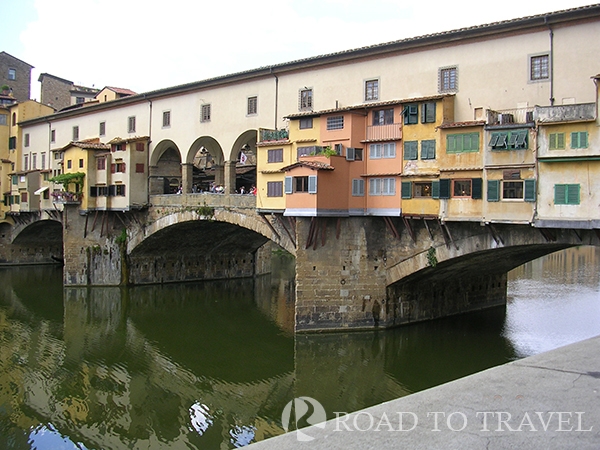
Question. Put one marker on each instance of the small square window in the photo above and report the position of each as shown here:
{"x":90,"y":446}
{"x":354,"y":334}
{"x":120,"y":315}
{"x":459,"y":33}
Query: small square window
{"x":305,"y":102}
{"x":131,"y":124}
{"x":371,"y":90}
{"x":448,"y":79}
{"x":12,"y":74}
{"x":335,"y":123}
{"x":252,"y":105}
{"x":539,"y":67}
{"x":306,"y":123}
{"x":205,"y":113}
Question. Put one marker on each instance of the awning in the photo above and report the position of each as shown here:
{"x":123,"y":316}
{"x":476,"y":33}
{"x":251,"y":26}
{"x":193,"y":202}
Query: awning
{"x":40,"y":190}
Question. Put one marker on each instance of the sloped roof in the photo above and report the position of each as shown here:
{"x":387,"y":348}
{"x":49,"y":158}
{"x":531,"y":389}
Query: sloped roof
{"x":90,"y":144}
{"x":120,"y":91}
{"x":119,"y":140}
{"x":315,"y":165}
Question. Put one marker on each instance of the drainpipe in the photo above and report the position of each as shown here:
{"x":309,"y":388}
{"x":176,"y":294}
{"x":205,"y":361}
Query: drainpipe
{"x":551,"y":68}
{"x":148,"y":150}
{"x":276,"y":95}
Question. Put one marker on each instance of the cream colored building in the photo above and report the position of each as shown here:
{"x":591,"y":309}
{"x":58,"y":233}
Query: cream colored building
{"x":506,"y":66}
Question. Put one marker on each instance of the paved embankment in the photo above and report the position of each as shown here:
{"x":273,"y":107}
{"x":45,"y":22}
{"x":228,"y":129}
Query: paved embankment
{"x":547,"y":401}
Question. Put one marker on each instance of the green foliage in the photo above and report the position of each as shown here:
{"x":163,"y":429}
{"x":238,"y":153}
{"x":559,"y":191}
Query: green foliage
{"x":69,"y":178}
{"x":122,"y":238}
{"x":432,"y":257}
{"x":205,"y":211}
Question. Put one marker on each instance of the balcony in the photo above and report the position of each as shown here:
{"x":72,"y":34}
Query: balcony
{"x":67,"y":198}
{"x":517,"y":116}
{"x":273,"y":135}
{"x":565,"y":113}
{"x":391,"y":132}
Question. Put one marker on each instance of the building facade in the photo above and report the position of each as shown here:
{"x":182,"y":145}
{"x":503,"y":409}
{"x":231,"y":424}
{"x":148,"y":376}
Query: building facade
{"x":15,"y":74}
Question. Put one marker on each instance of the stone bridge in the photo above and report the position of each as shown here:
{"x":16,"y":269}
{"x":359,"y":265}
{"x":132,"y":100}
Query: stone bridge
{"x":351,"y":273}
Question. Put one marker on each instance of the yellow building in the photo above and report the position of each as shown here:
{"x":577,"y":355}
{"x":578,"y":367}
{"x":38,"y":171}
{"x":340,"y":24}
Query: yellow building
{"x":569,"y":166}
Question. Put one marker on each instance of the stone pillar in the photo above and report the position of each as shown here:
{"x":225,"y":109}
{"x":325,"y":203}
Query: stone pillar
{"x":219,"y":175}
{"x":340,"y":281}
{"x":187,"y":177}
{"x":230,"y":177}
{"x":91,"y":257}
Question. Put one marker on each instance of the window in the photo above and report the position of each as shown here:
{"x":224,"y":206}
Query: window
{"x":461,"y":143}
{"x":120,"y":190}
{"x":252,"y":105}
{"x":411,"y":114}
{"x":301,"y":184}
{"x":557,"y":141}
{"x":12,"y":74}
{"x":69,"y":164}
{"x":79,"y":100}
{"x":448,"y":79}
{"x":566,"y":194}
{"x":382,"y":186}
{"x":24,"y":197}
{"x":579,"y":139}
{"x":428,"y":113}
{"x":102,"y":129}
{"x":75,"y":133}
{"x":383,"y":116}
{"x":428,"y":149}
{"x":117,"y":147}
{"x":25,"y":164}
{"x":422,"y":189}
{"x":335,"y":123}
{"x":131,"y":124}
{"x":14,"y":119}
{"x":52,"y":135}
{"x":461,"y":188}
{"x":512,"y":190}
{"x":274,"y":188}
{"x":140,"y":168}
{"x":15,"y":179}
{"x":34,"y":161}
{"x":387,"y":150}
{"x":43,"y":158}
{"x":358,"y":187}
{"x":411,"y":150}
{"x":102,"y":191}
{"x":166,"y":119}
{"x":275,"y":156}
{"x":26,"y":140}
{"x":354,"y":154}
{"x":205,"y":113}
{"x":304,"y":151}
{"x":117,"y":167}
{"x":371,"y":90}
{"x":81,"y":163}
{"x":306,"y":123}
{"x":539,"y":67}
{"x":3,"y":119}
{"x":101,"y":164}
{"x":305,"y":101}
{"x":509,"y":140}
{"x":12,"y":143}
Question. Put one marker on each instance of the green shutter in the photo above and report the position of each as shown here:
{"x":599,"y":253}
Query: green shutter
{"x":428,"y":149}
{"x":411,"y":150}
{"x":530,"y":193}
{"x":572,"y":194}
{"x":493,"y":190}
{"x":560,"y":194}
{"x":474,"y":147}
{"x":579,"y":139}
{"x":406,"y":189}
{"x":435,"y":189}
{"x":444,"y":188}
{"x":476,"y":188}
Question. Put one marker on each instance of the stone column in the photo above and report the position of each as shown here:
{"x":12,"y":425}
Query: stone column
{"x":187,"y":177}
{"x":219,"y":175}
{"x":230,"y":177}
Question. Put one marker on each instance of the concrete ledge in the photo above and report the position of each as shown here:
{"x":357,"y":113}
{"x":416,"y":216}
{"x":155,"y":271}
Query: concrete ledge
{"x":547,"y":401}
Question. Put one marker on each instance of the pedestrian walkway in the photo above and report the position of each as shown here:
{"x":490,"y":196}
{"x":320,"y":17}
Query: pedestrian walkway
{"x":547,"y":401}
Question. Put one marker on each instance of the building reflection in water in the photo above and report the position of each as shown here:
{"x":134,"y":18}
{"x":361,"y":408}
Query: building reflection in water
{"x":212,"y":365}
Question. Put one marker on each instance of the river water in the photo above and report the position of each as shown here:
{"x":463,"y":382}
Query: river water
{"x":212,"y":365}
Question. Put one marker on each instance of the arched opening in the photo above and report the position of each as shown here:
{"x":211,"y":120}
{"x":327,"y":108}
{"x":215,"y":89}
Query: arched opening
{"x":243,"y":155}
{"x":207,"y":163}
{"x":165,"y":169}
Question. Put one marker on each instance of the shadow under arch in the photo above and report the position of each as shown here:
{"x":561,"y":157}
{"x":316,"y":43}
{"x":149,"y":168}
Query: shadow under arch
{"x":165,"y":168}
{"x":243,"y":155}
{"x":41,"y":232}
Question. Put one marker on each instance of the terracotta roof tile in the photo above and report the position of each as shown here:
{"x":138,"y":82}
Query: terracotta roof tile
{"x":315,"y":165}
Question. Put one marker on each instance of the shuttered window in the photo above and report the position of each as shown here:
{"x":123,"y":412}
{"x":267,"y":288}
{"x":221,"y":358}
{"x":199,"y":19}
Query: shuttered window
{"x":493,"y":190}
{"x":566,"y":194}
{"x":411,"y":150}
{"x":557,"y":141}
{"x":428,"y":149}
{"x":579,"y":139}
